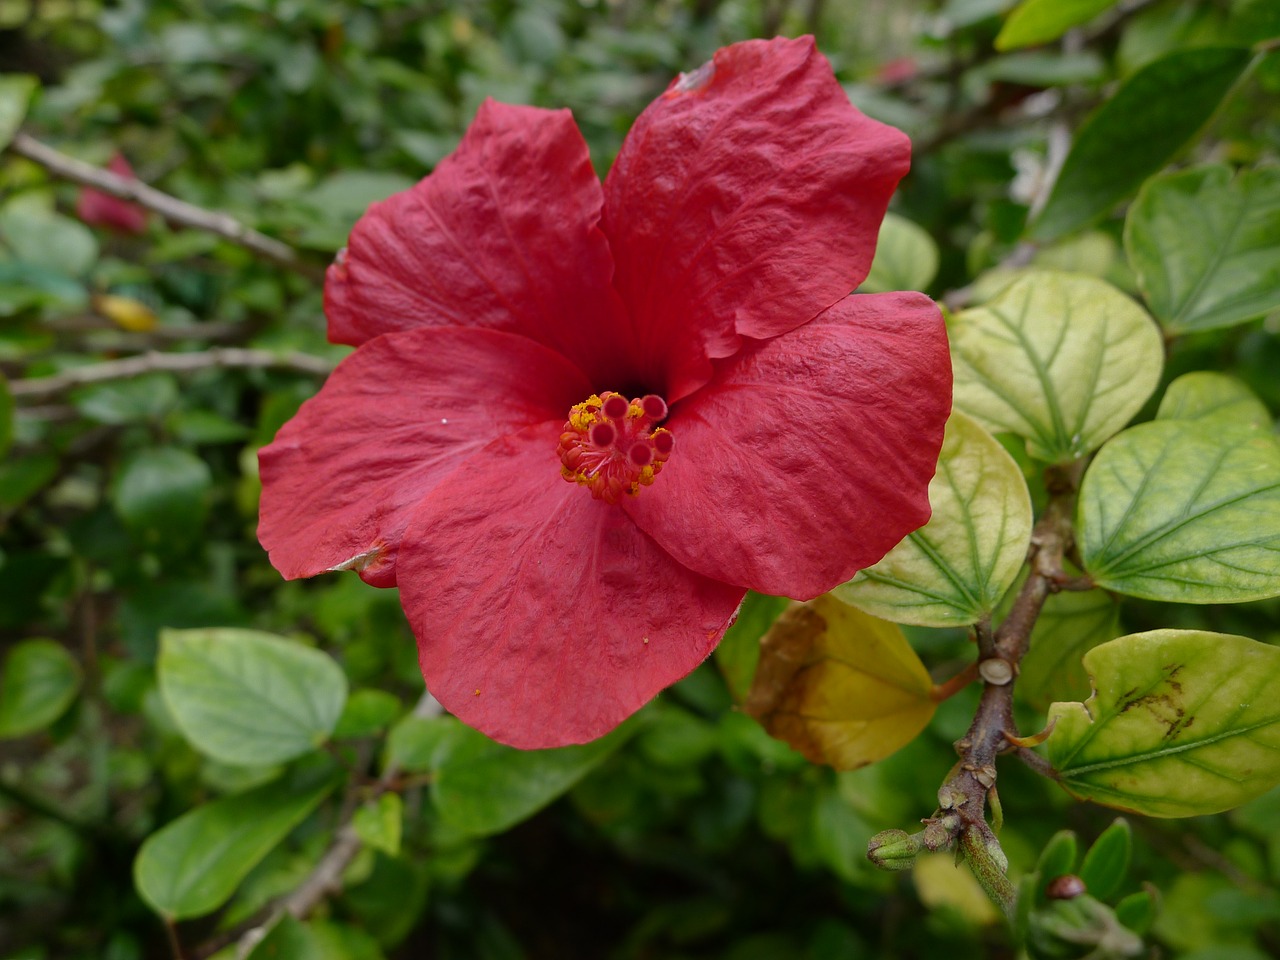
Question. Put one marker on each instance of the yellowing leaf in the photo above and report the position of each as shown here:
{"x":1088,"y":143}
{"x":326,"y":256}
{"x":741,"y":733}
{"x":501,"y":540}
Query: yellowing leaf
{"x":125,"y":312}
{"x":1181,"y":723}
{"x":941,"y":882}
{"x":954,"y":570}
{"x":1060,"y":359}
{"x":842,"y":687}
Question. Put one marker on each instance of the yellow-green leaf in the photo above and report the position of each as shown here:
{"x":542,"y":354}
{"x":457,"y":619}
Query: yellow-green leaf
{"x":1206,"y":395}
{"x":1185,"y":511}
{"x":842,"y":687}
{"x":906,"y":257}
{"x":15,"y":93}
{"x":1060,"y":359}
{"x":1181,"y":723}
{"x":954,"y":570}
{"x":40,"y":681}
{"x":1039,"y":21}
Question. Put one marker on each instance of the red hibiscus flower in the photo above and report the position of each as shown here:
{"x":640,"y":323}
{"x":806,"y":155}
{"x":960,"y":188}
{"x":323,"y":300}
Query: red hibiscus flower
{"x":100,"y":209}
{"x":582,"y":421}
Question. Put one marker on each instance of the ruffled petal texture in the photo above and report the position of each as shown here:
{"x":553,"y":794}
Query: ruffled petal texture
{"x":504,"y":235}
{"x":341,"y":478}
{"x":809,"y":456}
{"x":745,"y":200}
{"x":545,"y":617}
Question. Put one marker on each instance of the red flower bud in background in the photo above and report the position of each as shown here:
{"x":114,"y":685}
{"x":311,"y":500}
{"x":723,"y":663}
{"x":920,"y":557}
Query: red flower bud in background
{"x":582,"y":419}
{"x":100,"y":209}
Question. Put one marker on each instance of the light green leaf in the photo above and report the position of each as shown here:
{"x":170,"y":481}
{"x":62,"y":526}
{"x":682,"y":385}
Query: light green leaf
{"x":1070,"y":624}
{"x":1206,"y":247}
{"x":1135,"y":133}
{"x":1184,"y":511}
{"x":1039,"y":21}
{"x":1204,"y":395}
{"x":1059,"y":359}
{"x":379,"y":822}
{"x":241,"y":696}
{"x":906,"y":257}
{"x":41,"y":679}
{"x":1181,"y":723}
{"x":48,"y":240}
{"x":160,"y":491}
{"x":191,"y":866}
{"x":954,"y":570}
{"x":415,"y":743}
{"x":15,"y":93}
{"x":481,"y":787}
{"x":367,"y":712}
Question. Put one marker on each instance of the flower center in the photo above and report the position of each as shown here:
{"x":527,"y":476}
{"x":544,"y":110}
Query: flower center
{"x":611,"y":446}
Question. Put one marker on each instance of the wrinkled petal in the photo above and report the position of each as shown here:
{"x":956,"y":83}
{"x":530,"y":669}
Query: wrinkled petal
{"x":745,"y":200}
{"x":809,"y":456}
{"x":545,"y":617}
{"x":503,"y":235}
{"x":341,"y":478}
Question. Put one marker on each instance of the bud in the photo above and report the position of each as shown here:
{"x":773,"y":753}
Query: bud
{"x":894,"y":849}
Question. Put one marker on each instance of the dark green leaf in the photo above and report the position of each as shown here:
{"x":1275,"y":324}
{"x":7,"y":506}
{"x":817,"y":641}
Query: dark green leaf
{"x":128,"y":401}
{"x":40,"y":681}
{"x":1107,"y":862}
{"x":1057,"y":859}
{"x":739,"y":651}
{"x":161,"y":492}
{"x":192,"y":865}
{"x":1140,"y":129}
{"x":6,"y":416}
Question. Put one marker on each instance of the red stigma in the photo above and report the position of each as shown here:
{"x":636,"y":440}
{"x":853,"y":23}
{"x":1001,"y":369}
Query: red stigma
{"x":612,"y":446}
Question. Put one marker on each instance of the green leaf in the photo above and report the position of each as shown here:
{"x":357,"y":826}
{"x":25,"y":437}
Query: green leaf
{"x":1137,"y":911}
{"x":1107,"y":862}
{"x":1039,"y":21}
{"x":137,"y":399}
{"x":481,"y":787}
{"x":1184,"y":511}
{"x":191,"y":866}
{"x":416,"y":743}
{"x":954,"y":570}
{"x":160,"y":492}
{"x":1140,"y":129}
{"x":6,"y":416}
{"x":366,"y":713}
{"x":41,"y":679}
{"x":246,"y":697}
{"x":1062,"y":360}
{"x":840,"y":686}
{"x":1057,"y":859}
{"x":739,"y":651}
{"x":1070,"y":624}
{"x":15,"y":93}
{"x":379,"y":822}
{"x":46,"y":239}
{"x":1181,"y":723}
{"x":1205,"y":246}
{"x":1204,"y":395}
{"x":906,"y":257}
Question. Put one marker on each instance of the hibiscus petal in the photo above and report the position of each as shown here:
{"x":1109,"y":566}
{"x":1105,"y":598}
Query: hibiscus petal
{"x":809,"y":456}
{"x":745,"y":200}
{"x":341,"y":478}
{"x":504,"y":234}
{"x":545,"y":617}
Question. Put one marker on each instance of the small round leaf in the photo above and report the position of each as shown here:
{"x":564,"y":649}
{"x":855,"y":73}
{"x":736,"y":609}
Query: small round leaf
{"x":40,"y":681}
{"x":1062,"y":360}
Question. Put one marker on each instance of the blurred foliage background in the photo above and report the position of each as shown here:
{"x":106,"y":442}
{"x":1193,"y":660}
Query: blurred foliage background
{"x":128,"y":506}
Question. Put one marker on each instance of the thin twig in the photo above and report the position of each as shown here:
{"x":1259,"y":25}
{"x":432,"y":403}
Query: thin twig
{"x":42,"y":388}
{"x":171,"y":208}
{"x":326,"y":877}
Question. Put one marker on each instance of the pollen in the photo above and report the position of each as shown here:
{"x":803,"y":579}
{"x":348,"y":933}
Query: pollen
{"x":614,"y":446}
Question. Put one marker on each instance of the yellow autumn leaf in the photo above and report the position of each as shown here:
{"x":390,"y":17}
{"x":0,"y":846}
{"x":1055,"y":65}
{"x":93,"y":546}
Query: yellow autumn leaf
{"x":839,"y":685}
{"x":125,"y":312}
